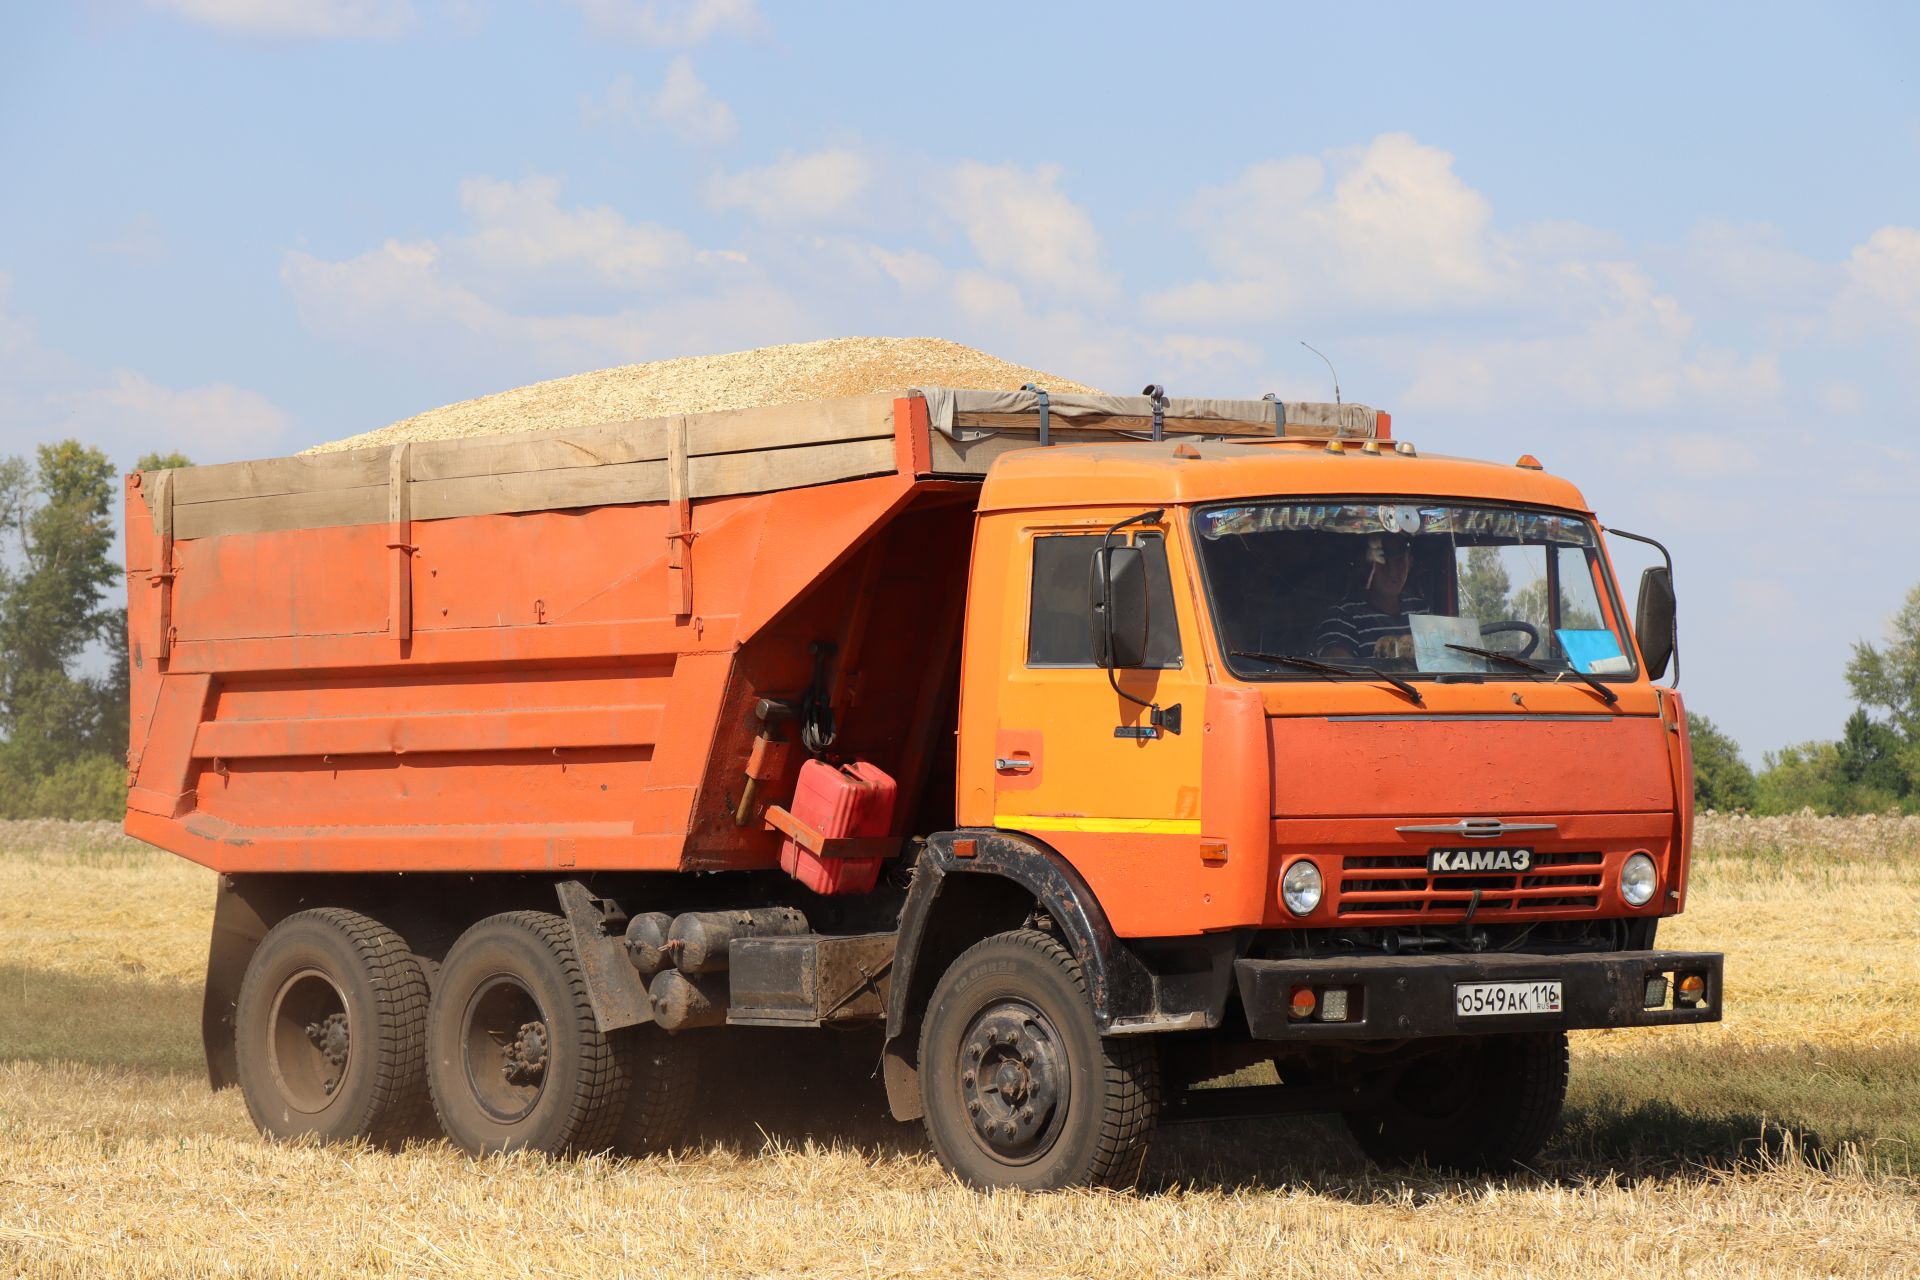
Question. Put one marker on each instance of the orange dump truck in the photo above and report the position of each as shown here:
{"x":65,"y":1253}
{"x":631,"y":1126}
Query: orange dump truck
{"x":1087,"y":748}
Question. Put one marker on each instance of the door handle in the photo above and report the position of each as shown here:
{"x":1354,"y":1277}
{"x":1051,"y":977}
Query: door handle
{"x":1013,"y":766}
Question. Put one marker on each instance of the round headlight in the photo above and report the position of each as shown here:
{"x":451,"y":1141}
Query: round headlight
{"x":1300,"y":888}
{"x":1638,"y":879}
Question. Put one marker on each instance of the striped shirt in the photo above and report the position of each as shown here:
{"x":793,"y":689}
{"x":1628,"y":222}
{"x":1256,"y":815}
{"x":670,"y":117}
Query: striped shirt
{"x":1358,"y":627}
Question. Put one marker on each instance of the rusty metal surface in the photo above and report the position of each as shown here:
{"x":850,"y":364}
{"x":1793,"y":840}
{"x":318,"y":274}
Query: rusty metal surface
{"x":811,"y":980}
{"x":618,"y":996}
{"x":856,"y":976}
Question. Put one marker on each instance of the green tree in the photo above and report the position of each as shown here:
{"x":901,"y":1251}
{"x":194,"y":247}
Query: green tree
{"x":64,"y":730}
{"x":1871,"y":763}
{"x":1888,"y":680}
{"x":1806,"y":776}
{"x":1721,"y":779}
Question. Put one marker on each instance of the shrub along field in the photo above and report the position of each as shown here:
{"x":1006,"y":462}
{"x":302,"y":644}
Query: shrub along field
{"x":1785,"y":1140}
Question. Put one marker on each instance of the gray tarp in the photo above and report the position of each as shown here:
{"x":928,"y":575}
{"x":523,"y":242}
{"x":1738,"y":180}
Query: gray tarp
{"x":946,"y":405}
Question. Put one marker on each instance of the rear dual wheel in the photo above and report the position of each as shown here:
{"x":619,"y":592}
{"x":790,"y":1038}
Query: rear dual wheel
{"x":330,"y":1030}
{"x":514,"y":1060}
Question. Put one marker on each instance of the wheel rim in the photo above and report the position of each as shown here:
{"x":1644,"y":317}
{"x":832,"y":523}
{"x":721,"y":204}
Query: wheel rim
{"x":1014,"y":1081}
{"x":507,"y":1048}
{"x":309,"y":1040}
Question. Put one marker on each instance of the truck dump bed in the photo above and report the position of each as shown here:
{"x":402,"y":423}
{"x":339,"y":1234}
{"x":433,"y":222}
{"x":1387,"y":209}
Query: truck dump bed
{"x":544,"y":651}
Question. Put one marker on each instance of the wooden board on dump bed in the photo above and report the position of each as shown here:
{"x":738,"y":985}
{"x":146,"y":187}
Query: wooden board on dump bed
{"x":692,"y":456}
{"x":737,"y":451}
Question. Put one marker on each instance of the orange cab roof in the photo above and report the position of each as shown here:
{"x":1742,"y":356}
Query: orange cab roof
{"x":1150,"y":474}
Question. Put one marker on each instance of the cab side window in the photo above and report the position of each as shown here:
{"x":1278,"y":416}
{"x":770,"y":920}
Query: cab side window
{"x":1057,"y":628}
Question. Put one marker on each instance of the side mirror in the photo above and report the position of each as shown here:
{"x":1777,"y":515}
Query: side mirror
{"x":1117,"y":606}
{"x":1653,"y":620}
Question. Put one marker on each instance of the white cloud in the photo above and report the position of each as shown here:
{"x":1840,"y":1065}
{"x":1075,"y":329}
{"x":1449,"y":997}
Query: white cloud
{"x":520,"y":228}
{"x":1019,"y":222}
{"x":324,"y":19}
{"x":1604,"y":337}
{"x":218,"y":420}
{"x":1883,"y":274}
{"x":805,"y":188}
{"x":46,"y":394}
{"x":1747,"y":265}
{"x":683,"y":105}
{"x":538,"y":288}
{"x":673,"y":22}
{"x":686,"y":106}
{"x":1397,"y":230}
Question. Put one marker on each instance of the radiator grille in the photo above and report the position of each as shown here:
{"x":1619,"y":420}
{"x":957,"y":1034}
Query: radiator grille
{"x":1396,"y":884}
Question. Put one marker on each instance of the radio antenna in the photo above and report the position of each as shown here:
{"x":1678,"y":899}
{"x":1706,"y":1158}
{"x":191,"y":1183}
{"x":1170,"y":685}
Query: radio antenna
{"x":1330,"y":369}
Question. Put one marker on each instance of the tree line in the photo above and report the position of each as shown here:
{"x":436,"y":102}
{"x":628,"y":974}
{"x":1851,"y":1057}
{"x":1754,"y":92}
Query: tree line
{"x":1872,"y":767}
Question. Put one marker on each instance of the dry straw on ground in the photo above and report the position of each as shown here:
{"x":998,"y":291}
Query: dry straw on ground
{"x":1678,"y":1157}
{"x":701,"y":384}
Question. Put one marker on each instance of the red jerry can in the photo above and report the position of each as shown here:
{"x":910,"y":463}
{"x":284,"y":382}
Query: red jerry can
{"x":840,"y":801}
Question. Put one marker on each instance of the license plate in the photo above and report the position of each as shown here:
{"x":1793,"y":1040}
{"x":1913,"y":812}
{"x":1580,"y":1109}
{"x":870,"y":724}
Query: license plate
{"x":1506,"y":999}
{"x":1479,"y":861}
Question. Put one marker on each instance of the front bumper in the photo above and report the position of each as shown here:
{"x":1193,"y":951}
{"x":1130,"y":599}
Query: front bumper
{"x":1401,"y":997}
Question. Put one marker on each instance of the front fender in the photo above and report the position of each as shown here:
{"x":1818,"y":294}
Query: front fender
{"x":1119,"y":986}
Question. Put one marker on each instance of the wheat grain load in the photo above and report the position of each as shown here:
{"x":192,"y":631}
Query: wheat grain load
{"x":700,"y":384}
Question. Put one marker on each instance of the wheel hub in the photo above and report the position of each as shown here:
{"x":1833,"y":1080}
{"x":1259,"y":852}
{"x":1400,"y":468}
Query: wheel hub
{"x":507,"y":1043}
{"x":329,"y":1038}
{"x":1013,"y":1079}
{"x":525,"y":1056}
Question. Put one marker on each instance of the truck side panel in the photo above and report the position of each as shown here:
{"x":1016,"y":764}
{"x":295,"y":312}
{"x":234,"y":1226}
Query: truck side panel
{"x":547,"y":711}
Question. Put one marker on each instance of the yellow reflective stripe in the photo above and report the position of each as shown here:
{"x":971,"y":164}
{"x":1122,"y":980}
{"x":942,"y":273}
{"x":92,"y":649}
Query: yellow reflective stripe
{"x":1125,"y":826}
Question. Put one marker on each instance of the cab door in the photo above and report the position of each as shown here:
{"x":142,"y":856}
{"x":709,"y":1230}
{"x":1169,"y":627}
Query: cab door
{"x":1073,"y":757}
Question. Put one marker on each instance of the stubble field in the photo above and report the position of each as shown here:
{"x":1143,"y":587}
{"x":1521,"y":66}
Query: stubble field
{"x":1784,"y":1141}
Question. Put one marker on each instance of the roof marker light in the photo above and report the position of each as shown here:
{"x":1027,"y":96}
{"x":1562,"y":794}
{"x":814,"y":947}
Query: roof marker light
{"x":1530,"y":462}
{"x":1336,"y":446}
{"x":1404,"y":448}
{"x":1371,"y":448}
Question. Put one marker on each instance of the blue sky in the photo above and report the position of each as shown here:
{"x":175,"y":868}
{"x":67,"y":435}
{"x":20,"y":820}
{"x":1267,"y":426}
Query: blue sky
{"x":1674,"y":250}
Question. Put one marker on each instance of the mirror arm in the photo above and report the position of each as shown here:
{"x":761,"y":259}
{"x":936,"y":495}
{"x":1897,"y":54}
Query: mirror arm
{"x":1668,"y":557}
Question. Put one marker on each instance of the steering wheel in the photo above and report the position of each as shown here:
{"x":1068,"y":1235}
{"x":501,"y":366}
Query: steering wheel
{"x":1531,"y":632}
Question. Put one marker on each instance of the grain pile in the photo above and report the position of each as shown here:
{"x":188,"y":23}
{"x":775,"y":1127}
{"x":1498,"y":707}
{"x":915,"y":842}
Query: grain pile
{"x":701,"y":384}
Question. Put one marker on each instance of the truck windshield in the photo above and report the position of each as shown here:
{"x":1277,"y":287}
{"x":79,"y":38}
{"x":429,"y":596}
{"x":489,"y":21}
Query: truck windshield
{"x":1409,"y":587}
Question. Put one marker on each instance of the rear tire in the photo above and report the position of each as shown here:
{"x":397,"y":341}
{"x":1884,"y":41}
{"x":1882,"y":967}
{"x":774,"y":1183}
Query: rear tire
{"x":1020,"y":1088}
{"x":1485,"y":1106}
{"x":659,"y":1102}
{"x":514,"y":1060}
{"x":330,"y":1031}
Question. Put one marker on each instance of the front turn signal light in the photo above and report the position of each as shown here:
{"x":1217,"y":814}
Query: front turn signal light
{"x":1691,"y":989}
{"x":1300,"y":1005}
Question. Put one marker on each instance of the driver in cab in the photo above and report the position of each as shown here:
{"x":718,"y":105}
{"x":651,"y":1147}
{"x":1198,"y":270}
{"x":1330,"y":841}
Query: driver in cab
{"x":1372,"y":625}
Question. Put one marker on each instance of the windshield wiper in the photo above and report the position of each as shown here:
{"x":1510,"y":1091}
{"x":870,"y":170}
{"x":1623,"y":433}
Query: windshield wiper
{"x":1327,"y":668}
{"x":1606,"y":694}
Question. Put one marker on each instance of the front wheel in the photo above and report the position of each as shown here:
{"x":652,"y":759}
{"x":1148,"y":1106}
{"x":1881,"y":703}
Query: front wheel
{"x":1480,"y":1106}
{"x":1020,"y":1088}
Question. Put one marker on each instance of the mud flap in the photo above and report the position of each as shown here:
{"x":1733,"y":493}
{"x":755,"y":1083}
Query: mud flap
{"x":614,"y":988}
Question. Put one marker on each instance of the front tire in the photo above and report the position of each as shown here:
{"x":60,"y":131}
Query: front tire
{"x":1482,"y":1106}
{"x":1020,"y":1089}
{"x":330,"y":1031}
{"x":514,"y":1058}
